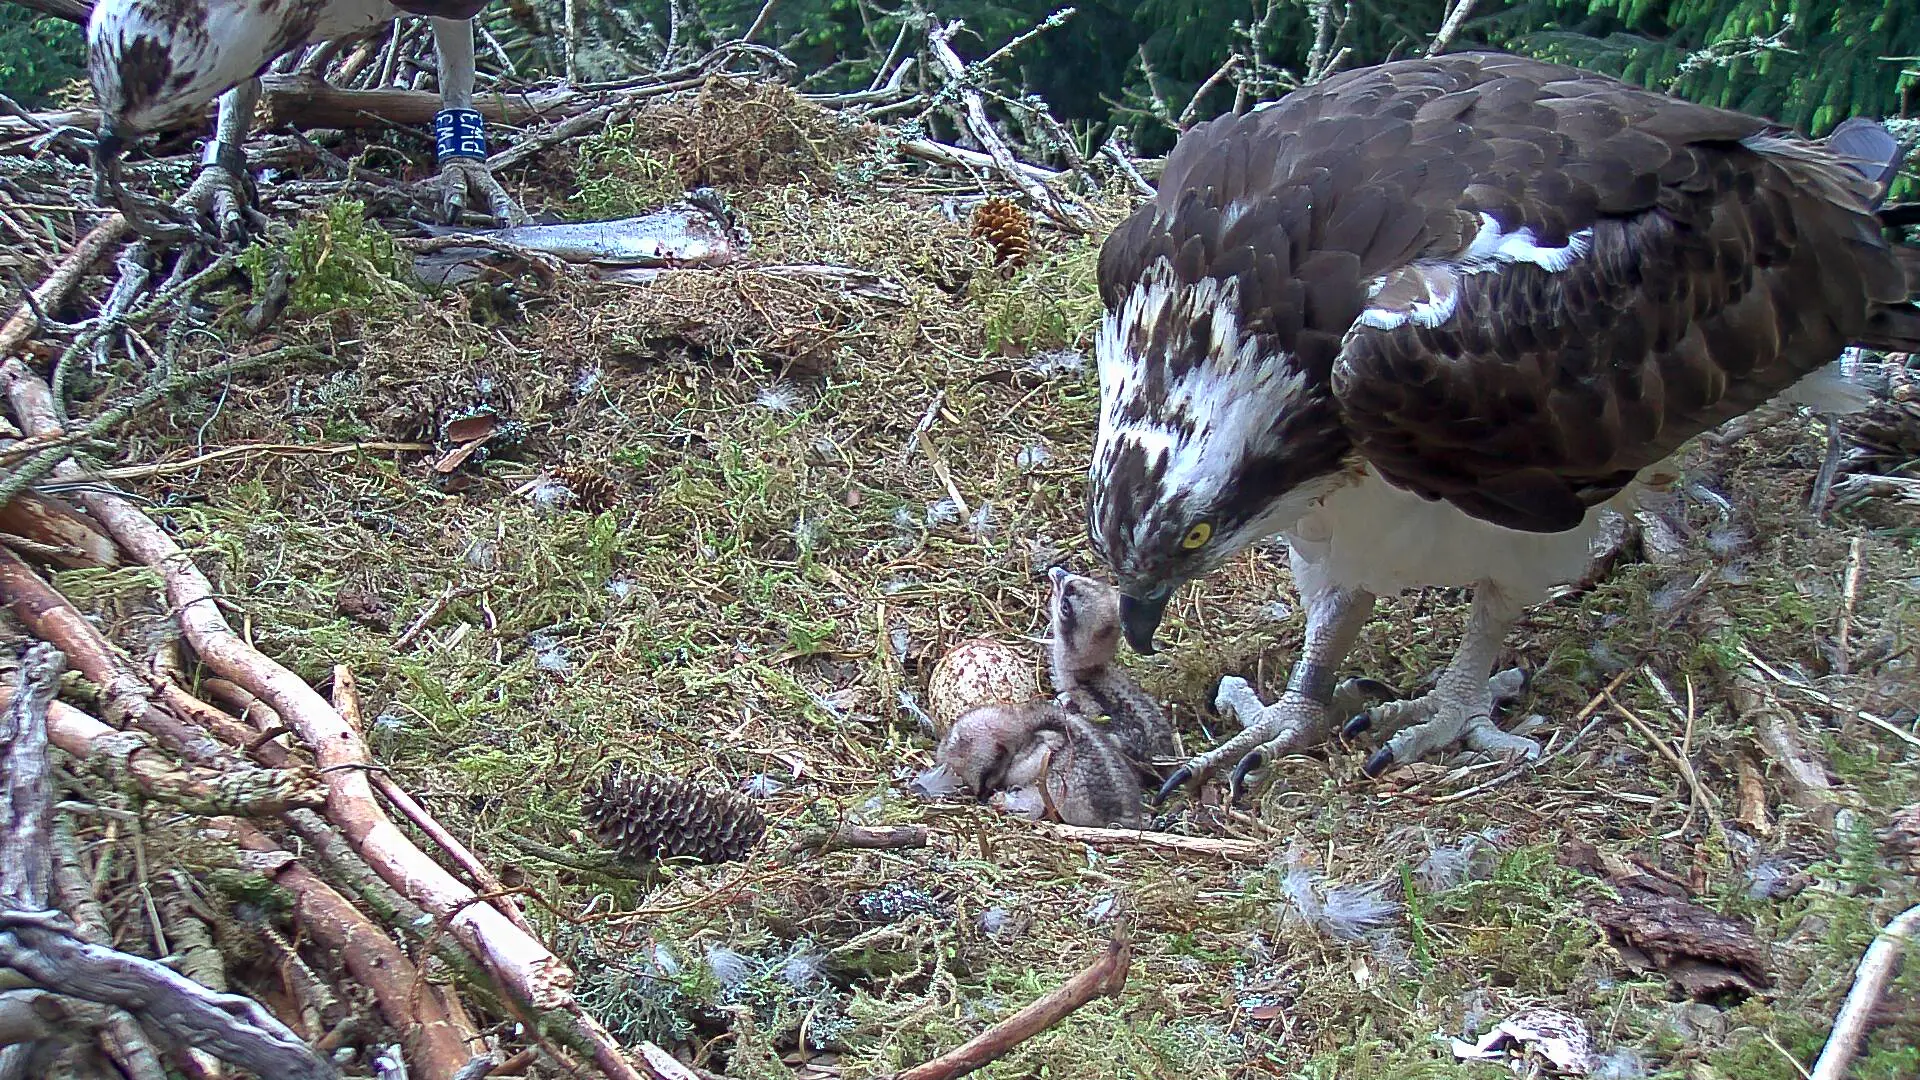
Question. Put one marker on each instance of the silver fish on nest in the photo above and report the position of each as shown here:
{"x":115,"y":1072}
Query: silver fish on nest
{"x":697,"y":231}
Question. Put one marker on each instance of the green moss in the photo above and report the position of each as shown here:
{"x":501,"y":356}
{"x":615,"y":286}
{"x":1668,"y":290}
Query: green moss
{"x":1523,"y":926}
{"x":335,"y":260}
{"x":1379,"y":1059}
{"x":1051,"y":303}
{"x":614,"y":178}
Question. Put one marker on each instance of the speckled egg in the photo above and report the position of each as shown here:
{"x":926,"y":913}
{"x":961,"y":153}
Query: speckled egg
{"x":976,"y":672}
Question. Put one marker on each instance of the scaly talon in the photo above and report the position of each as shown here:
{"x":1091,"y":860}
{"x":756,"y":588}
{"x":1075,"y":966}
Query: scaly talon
{"x":460,"y":178}
{"x":1451,"y":713}
{"x":1356,"y":725}
{"x":1299,"y":718}
{"x":1267,"y":732}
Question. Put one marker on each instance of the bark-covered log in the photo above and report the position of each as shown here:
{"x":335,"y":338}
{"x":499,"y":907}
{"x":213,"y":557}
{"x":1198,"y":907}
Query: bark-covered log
{"x":131,"y":763}
{"x":45,"y":949}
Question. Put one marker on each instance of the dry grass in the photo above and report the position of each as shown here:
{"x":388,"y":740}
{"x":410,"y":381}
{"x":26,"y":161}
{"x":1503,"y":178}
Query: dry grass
{"x":779,"y":571}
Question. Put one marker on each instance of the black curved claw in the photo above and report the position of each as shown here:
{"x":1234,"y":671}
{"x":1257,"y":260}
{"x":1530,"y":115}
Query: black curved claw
{"x":1360,"y":722}
{"x":1237,"y":782}
{"x":1380,"y":762}
{"x":1174,"y":783}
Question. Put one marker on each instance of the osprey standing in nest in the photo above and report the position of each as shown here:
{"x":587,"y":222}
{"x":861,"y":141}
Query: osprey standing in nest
{"x":1425,"y":320}
{"x":156,"y":63}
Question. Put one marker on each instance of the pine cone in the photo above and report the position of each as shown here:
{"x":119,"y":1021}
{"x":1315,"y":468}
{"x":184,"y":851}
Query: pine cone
{"x":593,"y":492}
{"x":646,"y":818}
{"x":1004,"y":225}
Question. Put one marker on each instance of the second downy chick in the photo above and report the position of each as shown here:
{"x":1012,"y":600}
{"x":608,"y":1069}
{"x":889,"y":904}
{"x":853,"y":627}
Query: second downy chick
{"x":1037,"y":757}
{"x":1086,"y":640}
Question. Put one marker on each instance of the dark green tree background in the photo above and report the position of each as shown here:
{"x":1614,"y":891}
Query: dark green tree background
{"x":38,"y":54}
{"x":1808,"y":63}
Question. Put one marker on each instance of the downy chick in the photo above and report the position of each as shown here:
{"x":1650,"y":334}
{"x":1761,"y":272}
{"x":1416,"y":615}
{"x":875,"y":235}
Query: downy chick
{"x":1037,"y":757}
{"x":1086,"y":638}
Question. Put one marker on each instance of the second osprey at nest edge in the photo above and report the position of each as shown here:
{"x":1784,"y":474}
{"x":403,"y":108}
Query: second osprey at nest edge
{"x":156,"y":63}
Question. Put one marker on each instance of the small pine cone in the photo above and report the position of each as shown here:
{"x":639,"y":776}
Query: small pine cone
{"x":646,"y":818}
{"x":593,"y":492}
{"x":1004,"y":225}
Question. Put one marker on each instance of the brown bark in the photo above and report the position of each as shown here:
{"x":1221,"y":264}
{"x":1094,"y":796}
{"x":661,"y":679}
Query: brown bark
{"x":135,"y":764}
{"x":49,"y":617}
{"x":55,"y":289}
{"x":308,"y":101}
{"x":232,"y":1028}
{"x":436,"y":1043}
{"x":75,"y":541}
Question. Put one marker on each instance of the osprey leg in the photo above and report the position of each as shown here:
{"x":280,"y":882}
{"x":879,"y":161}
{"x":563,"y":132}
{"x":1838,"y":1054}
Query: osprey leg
{"x":1299,"y":718}
{"x":1460,"y":707}
{"x":459,"y":133}
{"x":220,"y":188}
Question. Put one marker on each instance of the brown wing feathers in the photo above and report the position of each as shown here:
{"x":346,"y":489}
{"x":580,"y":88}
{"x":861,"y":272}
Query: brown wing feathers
{"x":1717,"y":276}
{"x":1722,"y":264}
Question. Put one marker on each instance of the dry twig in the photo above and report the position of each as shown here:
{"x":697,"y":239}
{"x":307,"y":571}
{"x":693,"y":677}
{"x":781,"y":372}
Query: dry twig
{"x":1237,"y":850}
{"x":1876,"y":970}
{"x":980,"y":126}
{"x":346,"y":698}
{"x":134,"y":764}
{"x":1702,"y":799}
{"x":1104,"y":978}
{"x":437,"y":1044}
{"x":61,"y":282}
{"x":47,"y":949}
{"x":1456,"y":18}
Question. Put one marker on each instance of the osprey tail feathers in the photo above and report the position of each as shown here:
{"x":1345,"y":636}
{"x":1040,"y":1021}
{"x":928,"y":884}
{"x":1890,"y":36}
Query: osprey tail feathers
{"x":1870,"y":149}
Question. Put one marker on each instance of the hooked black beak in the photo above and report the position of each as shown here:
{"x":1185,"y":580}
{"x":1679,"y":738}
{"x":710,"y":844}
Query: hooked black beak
{"x":1139,"y":618}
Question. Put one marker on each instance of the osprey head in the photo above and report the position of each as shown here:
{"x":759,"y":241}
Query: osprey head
{"x":1211,"y":437}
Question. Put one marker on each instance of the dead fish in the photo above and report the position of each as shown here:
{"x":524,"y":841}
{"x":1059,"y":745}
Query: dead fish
{"x":696,"y":231}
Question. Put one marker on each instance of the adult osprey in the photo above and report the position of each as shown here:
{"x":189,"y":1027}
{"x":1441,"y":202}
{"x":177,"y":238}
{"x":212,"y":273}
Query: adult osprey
{"x":156,"y":63}
{"x":1424,"y":320}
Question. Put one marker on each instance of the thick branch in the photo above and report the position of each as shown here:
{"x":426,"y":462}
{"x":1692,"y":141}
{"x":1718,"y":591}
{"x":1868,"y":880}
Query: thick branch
{"x":346,"y":698}
{"x":436,"y":1043}
{"x":31,"y":1015}
{"x":232,"y":1028}
{"x":48,"y":616}
{"x":72,"y":541}
{"x":26,"y":870}
{"x":524,"y":966}
{"x":308,"y":101}
{"x":61,"y":282}
{"x":120,"y":1034}
{"x":133,"y":764}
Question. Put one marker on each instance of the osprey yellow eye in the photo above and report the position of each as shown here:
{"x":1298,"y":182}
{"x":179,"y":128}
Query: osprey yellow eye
{"x":1197,"y":536}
